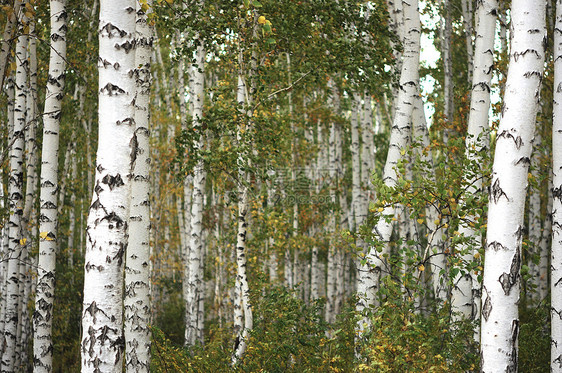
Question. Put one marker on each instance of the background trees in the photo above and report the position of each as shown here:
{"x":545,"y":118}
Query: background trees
{"x":271,"y":123}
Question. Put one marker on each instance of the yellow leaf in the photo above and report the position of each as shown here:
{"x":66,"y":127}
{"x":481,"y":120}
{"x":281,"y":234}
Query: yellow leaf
{"x":47,"y":236}
{"x":420,"y":221}
{"x":261,"y":20}
{"x":421,"y":268}
{"x":23,"y":241}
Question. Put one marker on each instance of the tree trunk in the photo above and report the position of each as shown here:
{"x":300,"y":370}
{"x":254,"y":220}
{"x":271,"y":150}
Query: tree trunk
{"x":556,"y":190}
{"x":48,"y":236}
{"x":195,"y":283}
{"x":102,"y":321}
{"x":15,"y":196}
{"x":399,"y":138}
{"x":466,"y":291}
{"x":500,"y":291}
{"x":137,"y":275}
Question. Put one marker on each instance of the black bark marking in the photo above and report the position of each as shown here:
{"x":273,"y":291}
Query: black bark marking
{"x":497,"y":192}
{"x":558,"y":361}
{"x":47,"y":184}
{"x":93,"y":309}
{"x":557,"y":193}
{"x":127,"y":46}
{"x":516,"y":139}
{"x":519,"y":233}
{"x":496,"y":246}
{"x":512,"y":367}
{"x":530,"y":74}
{"x":507,"y":280}
{"x":524,"y":161}
{"x":113,"y":181}
{"x":104,"y":62}
{"x":112,"y":31}
{"x":120,"y":253}
{"x":134,"y":143}
{"x":516,"y":55}
{"x":114,"y":220}
{"x":483,"y":85}
{"x":487,"y":307}
{"x":112,"y":89}
{"x":126,"y":121}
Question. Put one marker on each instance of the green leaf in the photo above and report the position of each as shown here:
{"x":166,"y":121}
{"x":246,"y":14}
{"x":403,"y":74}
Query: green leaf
{"x":257,"y":4}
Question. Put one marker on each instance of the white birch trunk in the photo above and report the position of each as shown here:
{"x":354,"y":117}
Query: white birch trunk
{"x":5,"y":232}
{"x":399,"y":138}
{"x":448,"y":94}
{"x":102,"y":321}
{"x":48,"y":237}
{"x":7,"y":39}
{"x":137,"y":275}
{"x":15,"y":197}
{"x":242,"y":289}
{"x":466,"y":292}
{"x":195,"y":282}
{"x":556,"y":190}
{"x":466,"y":6}
{"x":501,"y":285}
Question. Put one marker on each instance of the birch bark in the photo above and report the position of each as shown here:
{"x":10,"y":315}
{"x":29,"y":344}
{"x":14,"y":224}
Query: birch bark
{"x":466,"y":292}
{"x":48,"y":237}
{"x":195,"y":283}
{"x":501,"y":285}
{"x":15,"y":196}
{"x":399,"y":136}
{"x":556,"y":190}
{"x":102,"y":320}
{"x":137,"y":275}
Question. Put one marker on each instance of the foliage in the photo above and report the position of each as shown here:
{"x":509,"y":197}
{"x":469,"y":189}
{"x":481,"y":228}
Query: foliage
{"x":534,"y":338}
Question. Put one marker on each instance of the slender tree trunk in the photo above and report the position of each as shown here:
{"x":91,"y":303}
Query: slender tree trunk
{"x":137,"y":276}
{"x":102,"y":322}
{"x":195,"y":283}
{"x":43,"y":317}
{"x":500,"y":291}
{"x":242,"y":288}
{"x":11,"y":26}
{"x":466,"y":291}
{"x":399,"y":138}
{"x":556,"y":190}
{"x":15,"y":196}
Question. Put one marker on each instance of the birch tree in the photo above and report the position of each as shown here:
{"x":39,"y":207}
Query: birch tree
{"x":15,"y":195}
{"x":501,"y":285}
{"x":44,"y":299}
{"x":399,"y":138}
{"x":102,"y":321}
{"x":137,"y":274}
{"x":556,"y":190}
{"x":195,"y":293}
{"x":466,"y":289}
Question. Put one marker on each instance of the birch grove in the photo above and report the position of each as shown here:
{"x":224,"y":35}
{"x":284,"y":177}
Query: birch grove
{"x":280,"y":186}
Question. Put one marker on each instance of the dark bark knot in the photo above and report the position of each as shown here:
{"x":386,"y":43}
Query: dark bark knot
{"x":497,"y":192}
{"x":516,"y":139}
{"x":507,"y":280}
{"x":487,"y":307}
{"x":112,"y":31}
{"x":126,"y":46}
{"x":114,"y":221}
{"x":113,"y":181}
{"x":111,"y":89}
